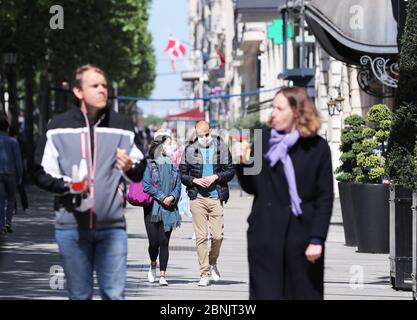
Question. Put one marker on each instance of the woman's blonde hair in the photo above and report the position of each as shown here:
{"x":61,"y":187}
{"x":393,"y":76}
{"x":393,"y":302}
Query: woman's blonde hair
{"x":307,"y":117}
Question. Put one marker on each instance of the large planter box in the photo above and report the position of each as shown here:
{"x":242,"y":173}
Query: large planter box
{"x":346,"y":206}
{"x":371,"y":209}
{"x":400,"y":248}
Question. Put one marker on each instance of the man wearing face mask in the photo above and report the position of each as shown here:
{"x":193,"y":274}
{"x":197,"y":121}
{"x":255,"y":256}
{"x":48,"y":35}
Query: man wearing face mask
{"x":206,"y":168}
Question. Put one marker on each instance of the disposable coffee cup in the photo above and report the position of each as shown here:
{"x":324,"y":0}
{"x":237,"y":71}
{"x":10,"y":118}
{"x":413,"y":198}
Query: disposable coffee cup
{"x":78,"y":186}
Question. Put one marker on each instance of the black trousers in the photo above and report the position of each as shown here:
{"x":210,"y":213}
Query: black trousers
{"x":23,"y":197}
{"x":158,"y":239}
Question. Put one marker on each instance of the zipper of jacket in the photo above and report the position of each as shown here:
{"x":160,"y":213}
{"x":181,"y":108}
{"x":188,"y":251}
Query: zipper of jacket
{"x":91,"y":164}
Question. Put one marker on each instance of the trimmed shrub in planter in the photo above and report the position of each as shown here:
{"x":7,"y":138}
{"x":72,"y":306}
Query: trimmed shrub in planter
{"x":351,"y":139}
{"x":371,"y":197}
{"x":371,"y":158}
{"x":401,"y":162}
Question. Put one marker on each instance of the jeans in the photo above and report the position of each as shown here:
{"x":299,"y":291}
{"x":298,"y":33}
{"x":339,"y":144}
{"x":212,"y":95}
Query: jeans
{"x":7,"y":196}
{"x":103,"y":250}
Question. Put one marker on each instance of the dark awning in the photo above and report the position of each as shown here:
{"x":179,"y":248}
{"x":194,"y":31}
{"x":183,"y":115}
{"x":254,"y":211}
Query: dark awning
{"x":350,"y":29}
{"x":252,"y":5}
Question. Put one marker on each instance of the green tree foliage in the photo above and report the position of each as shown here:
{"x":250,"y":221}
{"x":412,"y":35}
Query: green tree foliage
{"x":154,"y":120}
{"x":249,"y":121}
{"x":111,"y":34}
{"x":401,"y":163}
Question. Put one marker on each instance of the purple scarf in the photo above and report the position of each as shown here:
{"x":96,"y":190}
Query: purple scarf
{"x":279,"y":146}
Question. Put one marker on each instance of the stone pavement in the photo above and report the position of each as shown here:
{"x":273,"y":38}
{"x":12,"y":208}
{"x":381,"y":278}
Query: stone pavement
{"x":29,"y":260}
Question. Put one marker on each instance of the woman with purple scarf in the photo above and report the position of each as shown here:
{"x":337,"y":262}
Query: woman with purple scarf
{"x":293,"y":202}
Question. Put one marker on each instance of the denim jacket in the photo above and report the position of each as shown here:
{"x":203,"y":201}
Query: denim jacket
{"x":10,"y":156}
{"x":170,"y":216}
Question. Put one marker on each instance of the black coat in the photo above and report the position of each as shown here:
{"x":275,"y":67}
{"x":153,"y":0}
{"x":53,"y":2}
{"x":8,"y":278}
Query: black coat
{"x":192,"y":167}
{"x":277,"y":240}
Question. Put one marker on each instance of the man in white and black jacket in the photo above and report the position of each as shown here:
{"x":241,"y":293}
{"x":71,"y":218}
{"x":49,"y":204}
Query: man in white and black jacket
{"x":90,"y":224}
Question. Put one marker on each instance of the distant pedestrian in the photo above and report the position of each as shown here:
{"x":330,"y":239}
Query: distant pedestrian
{"x":21,"y":186}
{"x":293,"y":202}
{"x":10,"y":174}
{"x":162,"y":182}
{"x":206,"y":168}
{"x":177,"y":149}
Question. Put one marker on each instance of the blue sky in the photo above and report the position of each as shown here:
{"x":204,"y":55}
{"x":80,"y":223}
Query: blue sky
{"x":167,"y":16}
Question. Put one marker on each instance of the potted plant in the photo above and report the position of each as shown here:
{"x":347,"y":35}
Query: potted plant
{"x":351,"y":139}
{"x":371,"y":196}
{"x":401,"y":161}
{"x":402,"y":173}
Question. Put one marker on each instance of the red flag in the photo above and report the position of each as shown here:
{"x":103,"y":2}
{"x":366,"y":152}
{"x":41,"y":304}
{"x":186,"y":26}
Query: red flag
{"x":175,"y":48}
{"x":222,"y":59}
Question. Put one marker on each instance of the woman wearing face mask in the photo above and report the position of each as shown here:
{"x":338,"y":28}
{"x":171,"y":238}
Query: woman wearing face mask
{"x":176,"y":154}
{"x":293,"y":202}
{"x":162,"y":181}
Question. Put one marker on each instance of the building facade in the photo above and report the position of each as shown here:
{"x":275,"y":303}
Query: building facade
{"x":239,"y":50}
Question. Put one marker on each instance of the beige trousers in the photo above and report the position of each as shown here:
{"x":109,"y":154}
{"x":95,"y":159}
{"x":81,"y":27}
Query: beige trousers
{"x":207,"y":212}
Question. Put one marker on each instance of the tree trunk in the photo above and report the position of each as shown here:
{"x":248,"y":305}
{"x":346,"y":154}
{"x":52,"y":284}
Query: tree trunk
{"x":29,"y":144}
{"x":44,"y":101}
{"x":1,"y":91}
{"x":13,"y":105}
{"x":58,"y":94}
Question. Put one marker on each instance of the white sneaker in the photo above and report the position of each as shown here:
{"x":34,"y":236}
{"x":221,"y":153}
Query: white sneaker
{"x":152,"y":274}
{"x":162,"y":281}
{"x":204,"y":281}
{"x":214,"y":272}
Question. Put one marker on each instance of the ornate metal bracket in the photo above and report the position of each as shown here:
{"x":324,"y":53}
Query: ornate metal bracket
{"x":384,"y":71}
{"x":371,"y":85}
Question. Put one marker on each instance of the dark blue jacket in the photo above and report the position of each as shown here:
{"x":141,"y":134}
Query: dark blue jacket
{"x":10,"y":156}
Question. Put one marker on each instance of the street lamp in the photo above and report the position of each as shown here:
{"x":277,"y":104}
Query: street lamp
{"x":335,"y":105}
{"x":331,"y":107}
{"x":65,"y":85}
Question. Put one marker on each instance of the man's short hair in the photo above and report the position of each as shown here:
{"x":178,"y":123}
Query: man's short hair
{"x":77,"y":77}
{"x":4,"y":121}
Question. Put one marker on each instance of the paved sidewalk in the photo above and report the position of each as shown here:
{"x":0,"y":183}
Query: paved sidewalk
{"x":27,"y":256}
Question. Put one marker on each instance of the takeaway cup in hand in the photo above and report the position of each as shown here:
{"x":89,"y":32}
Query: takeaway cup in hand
{"x":78,"y":186}
{"x":79,"y":182}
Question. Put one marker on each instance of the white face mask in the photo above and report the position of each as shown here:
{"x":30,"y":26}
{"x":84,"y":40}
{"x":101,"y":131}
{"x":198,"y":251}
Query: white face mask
{"x":168,"y":150}
{"x":205,"y":141}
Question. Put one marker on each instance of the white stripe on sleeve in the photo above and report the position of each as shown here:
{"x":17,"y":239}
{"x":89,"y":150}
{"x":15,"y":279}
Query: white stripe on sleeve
{"x":50,"y":160}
